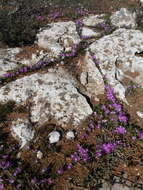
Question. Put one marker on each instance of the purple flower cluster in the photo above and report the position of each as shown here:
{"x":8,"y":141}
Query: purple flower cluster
{"x":122,"y":117}
{"x":79,"y":26}
{"x":55,"y":15}
{"x":71,"y":54}
{"x":60,"y":171}
{"x":5,"y":164}
{"x":117,"y":107}
{"x":120,"y":130}
{"x":38,"y":17}
{"x":25,"y":69}
{"x":109,"y":94}
{"x":108,"y":147}
{"x":1,"y":184}
{"x":75,"y":157}
{"x":17,"y":171}
{"x":105,"y":148}
{"x":141,"y":135}
{"x":106,"y":27}
{"x":81,"y":154}
{"x":105,"y":109}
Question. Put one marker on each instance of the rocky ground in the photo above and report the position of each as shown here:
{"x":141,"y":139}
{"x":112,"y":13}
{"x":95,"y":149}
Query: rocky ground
{"x":71,"y":95}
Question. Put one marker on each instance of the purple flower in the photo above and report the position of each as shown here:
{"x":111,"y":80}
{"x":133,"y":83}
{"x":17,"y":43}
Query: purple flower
{"x":82,"y":152}
{"x":109,"y":93}
{"x":11,"y":180}
{"x":6,"y":75}
{"x":40,"y":17}
{"x":34,"y":180}
{"x":69,"y":166}
{"x":75,"y":157}
{"x":1,"y":186}
{"x":120,"y":130}
{"x":108,"y":147}
{"x":134,"y":138}
{"x":98,"y":154}
{"x":17,"y":171}
{"x":60,"y":171}
{"x":117,"y":107}
{"x":141,"y":135}
{"x":122,"y":118}
{"x":5,"y":164}
{"x":50,"y":181}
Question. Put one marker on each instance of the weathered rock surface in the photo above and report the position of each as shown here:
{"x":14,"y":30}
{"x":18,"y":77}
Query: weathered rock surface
{"x":114,"y":187}
{"x":70,"y":135}
{"x":116,"y":54}
{"x":8,"y":59}
{"x":52,"y":95}
{"x":123,"y":18}
{"x":54,"y":137}
{"x":91,"y":78}
{"x":58,"y":37}
{"x":93,"y":20}
{"x":22,"y":131}
{"x":87,"y":32}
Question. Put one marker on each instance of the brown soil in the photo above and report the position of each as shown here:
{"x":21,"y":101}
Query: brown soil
{"x":27,"y":51}
{"x":135,"y":99}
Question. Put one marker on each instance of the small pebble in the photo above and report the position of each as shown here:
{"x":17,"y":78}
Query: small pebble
{"x":39,"y":154}
{"x":70,"y":135}
{"x":54,"y":136}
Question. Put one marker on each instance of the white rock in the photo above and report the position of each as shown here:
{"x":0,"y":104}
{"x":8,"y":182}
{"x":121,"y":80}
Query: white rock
{"x":87,"y":32}
{"x":123,"y":18}
{"x":91,"y":78}
{"x":8,"y":59}
{"x":58,"y":37}
{"x":52,"y":95}
{"x":39,"y":154}
{"x":141,"y":1}
{"x":54,"y":137}
{"x":93,"y":20}
{"x":70,"y":135}
{"x":140,"y":114}
{"x":116,"y":54}
{"x":21,"y":130}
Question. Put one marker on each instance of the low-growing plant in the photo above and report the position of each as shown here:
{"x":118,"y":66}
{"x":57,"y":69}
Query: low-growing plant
{"x":6,"y":109}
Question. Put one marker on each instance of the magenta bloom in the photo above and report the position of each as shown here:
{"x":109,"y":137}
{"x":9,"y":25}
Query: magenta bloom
{"x":122,"y":118}
{"x":120,"y":130}
{"x":60,"y":171}
{"x":109,"y":94}
{"x":5,"y":164}
{"x":1,"y":186}
{"x":108,"y":147}
{"x":141,"y":135}
{"x":117,"y":107}
{"x":17,"y":171}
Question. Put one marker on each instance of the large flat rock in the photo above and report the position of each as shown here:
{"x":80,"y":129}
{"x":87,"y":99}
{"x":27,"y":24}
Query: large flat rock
{"x":52,"y":95}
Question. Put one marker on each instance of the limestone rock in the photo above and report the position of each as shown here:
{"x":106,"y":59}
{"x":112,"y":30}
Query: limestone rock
{"x":58,"y":37}
{"x":22,"y":131}
{"x":93,"y":20}
{"x":52,"y":95}
{"x":70,"y":135}
{"x":87,"y":32}
{"x":8,"y":60}
{"x":116,"y":54}
{"x":91,"y":78}
{"x":39,"y":154}
{"x":123,"y":18}
{"x":54,"y":137}
{"x":140,"y":114}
